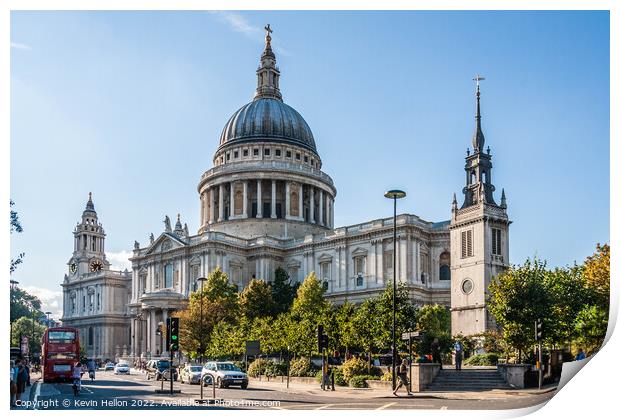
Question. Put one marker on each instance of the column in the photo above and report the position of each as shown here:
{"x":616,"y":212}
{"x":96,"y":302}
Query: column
{"x":331,"y":222}
{"x":300,"y":206}
{"x":336,"y":269}
{"x":320,"y":207}
{"x":259,"y":199}
{"x":202,"y":209}
{"x":211,"y":205}
{"x":312,"y":205}
{"x":273,"y":199}
{"x":402,"y":269}
{"x":152,"y":336}
{"x":287,"y":191}
{"x":245,"y":199}
{"x":221,"y":209}
{"x":372,"y":263}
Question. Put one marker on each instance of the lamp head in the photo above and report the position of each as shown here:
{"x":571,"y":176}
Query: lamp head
{"x":395,"y":194}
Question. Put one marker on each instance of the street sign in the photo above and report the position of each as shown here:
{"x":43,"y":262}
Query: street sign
{"x":252,"y":347}
{"x":411,"y":335}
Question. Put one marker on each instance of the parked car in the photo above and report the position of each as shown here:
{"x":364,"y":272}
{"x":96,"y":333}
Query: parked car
{"x":109,"y":366}
{"x":122,"y":368}
{"x":225,"y":374}
{"x":159,"y":369}
{"x":191,"y":374}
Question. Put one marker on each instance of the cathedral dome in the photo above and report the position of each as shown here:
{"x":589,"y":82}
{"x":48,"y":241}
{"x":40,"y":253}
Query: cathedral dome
{"x":267,"y":119}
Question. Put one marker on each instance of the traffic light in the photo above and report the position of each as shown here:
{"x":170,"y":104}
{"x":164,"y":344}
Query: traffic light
{"x":173,"y":333}
{"x":322,"y":339}
{"x":538,"y":329}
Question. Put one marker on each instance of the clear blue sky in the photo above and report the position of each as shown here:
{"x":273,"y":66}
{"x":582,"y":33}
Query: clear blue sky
{"x":130,"y":106}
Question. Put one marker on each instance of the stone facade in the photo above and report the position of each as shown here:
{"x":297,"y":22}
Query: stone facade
{"x":266,"y":203}
{"x":95,"y":298}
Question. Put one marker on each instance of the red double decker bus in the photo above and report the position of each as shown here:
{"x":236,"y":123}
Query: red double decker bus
{"x":60,"y":352}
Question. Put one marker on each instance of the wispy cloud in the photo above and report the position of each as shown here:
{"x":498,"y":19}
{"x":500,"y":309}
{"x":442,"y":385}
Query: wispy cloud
{"x":239,"y":23}
{"x":51,"y":300}
{"x":119,"y":260}
{"x":20,"y":46}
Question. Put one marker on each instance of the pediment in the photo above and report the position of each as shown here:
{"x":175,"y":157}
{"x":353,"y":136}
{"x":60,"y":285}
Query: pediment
{"x":164,"y":243}
{"x":325,"y":258}
{"x":358,"y":252}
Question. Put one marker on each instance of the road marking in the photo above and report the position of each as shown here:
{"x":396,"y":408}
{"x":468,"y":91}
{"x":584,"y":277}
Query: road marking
{"x":383,"y":407}
{"x":323,"y":406}
{"x":37,"y":392}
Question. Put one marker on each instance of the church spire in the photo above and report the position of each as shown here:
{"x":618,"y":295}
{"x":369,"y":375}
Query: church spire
{"x":268,"y":73}
{"x":478,"y":138}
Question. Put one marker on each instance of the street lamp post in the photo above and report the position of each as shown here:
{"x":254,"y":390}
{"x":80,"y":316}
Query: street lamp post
{"x":48,"y":318}
{"x":394,"y":195}
{"x":201,"y":280}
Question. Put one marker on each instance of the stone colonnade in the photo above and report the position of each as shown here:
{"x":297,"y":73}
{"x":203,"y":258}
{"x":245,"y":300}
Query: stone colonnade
{"x":266,"y":198}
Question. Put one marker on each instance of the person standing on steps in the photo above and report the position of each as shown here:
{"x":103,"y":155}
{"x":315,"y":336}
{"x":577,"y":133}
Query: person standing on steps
{"x":458,"y":355}
{"x":436,"y":352}
{"x":402,"y":378}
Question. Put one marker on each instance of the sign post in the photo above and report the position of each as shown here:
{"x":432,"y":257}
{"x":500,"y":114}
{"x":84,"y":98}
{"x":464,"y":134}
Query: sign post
{"x":410,"y":336}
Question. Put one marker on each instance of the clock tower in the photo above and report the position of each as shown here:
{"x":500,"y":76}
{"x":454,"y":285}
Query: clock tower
{"x":478,"y":239}
{"x":88,"y":244}
{"x":95,"y":297}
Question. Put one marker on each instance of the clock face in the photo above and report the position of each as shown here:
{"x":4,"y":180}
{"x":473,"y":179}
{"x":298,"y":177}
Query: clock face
{"x":72,"y":268}
{"x":96,"y":266}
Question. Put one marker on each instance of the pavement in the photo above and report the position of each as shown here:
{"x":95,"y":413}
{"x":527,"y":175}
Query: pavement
{"x":28,"y":395}
{"x":134,"y":391}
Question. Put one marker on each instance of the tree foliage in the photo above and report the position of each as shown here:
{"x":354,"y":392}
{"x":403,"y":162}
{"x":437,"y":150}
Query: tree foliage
{"x":256,"y":300}
{"x":23,"y":327}
{"x":283,"y":291}
{"x":15,"y":226}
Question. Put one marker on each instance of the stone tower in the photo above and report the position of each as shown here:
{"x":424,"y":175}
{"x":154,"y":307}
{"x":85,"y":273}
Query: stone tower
{"x":478,"y":238}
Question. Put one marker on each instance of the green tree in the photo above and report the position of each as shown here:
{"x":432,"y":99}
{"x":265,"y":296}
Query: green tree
{"x":310,"y":300}
{"x":434,"y":321}
{"x":309,"y":309}
{"x":343,"y":331}
{"x":256,"y":300}
{"x":23,"y":327}
{"x":22,"y":303}
{"x":517,"y":297}
{"x":283,"y":291}
{"x":591,"y":327}
{"x":406,"y":316}
{"x":568,"y":295}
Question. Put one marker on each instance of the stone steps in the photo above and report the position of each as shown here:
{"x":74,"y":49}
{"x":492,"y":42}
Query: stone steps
{"x":468,"y":380}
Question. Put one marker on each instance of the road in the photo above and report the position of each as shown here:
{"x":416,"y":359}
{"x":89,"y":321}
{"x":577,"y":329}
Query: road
{"x":134,"y":391}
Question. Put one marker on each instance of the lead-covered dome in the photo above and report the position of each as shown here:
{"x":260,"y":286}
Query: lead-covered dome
{"x":267,"y":119}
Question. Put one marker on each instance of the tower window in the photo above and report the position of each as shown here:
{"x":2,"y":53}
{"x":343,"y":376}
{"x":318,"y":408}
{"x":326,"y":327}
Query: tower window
{"x":245,"y":152}
{"x":227,"y":156}
{"x":278,"y":152}
{"x":255,"y":152}
{"x":236,"y":154}
{"x":288,"y":154}
{"x":298,"y":156}
{"x":306,"y":159}
{"x":467,"y":249}
{"x":267,"y":152}
{"x":496,"y":241}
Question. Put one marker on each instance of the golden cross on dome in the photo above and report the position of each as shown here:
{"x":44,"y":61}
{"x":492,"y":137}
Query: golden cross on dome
{"x":477,"y":79}
{"x":268,"y":29}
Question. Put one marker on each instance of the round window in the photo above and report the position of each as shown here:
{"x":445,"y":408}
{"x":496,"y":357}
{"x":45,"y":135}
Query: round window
{"x":467,"y":286}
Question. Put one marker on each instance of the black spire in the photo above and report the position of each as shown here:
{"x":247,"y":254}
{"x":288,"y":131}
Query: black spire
{"x":478,"y":139}
{"x":90,"y":207}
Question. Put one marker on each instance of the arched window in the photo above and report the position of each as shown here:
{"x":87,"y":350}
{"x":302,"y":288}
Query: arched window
{"x":168,"y":275}
{"x":90,"y":336}
{"x":444,"y":266}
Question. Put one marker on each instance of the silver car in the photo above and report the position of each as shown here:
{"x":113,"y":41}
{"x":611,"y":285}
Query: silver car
{"x":191,"y":374}
{"x":122,"y":368}
{"x":225,"y":374}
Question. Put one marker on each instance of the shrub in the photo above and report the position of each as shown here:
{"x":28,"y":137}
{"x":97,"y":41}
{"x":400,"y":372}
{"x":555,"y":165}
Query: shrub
{"x":301,"y":367}
{"x":339,"y":378}
{"x":387,"y":377}
{"x":486,"y":359}
{"x":257,"y":367}
{"x":354,"y":367}
{"x":275,"y":368}
{"x":358,"y":381}
{"x":241,"y":365}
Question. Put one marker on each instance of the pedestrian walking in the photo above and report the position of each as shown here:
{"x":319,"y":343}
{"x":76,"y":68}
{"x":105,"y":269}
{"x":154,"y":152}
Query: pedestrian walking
{"x":13,"y":382}
{"x":402,"y":378}
{"x":21,"y":378}
{"x":436,"y":352}
{"x":458,"y":354}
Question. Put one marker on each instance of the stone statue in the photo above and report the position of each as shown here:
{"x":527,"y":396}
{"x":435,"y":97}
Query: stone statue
{"x":167,"y":224}
{"x":136,"y":245}
{"x":152,"y":238}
